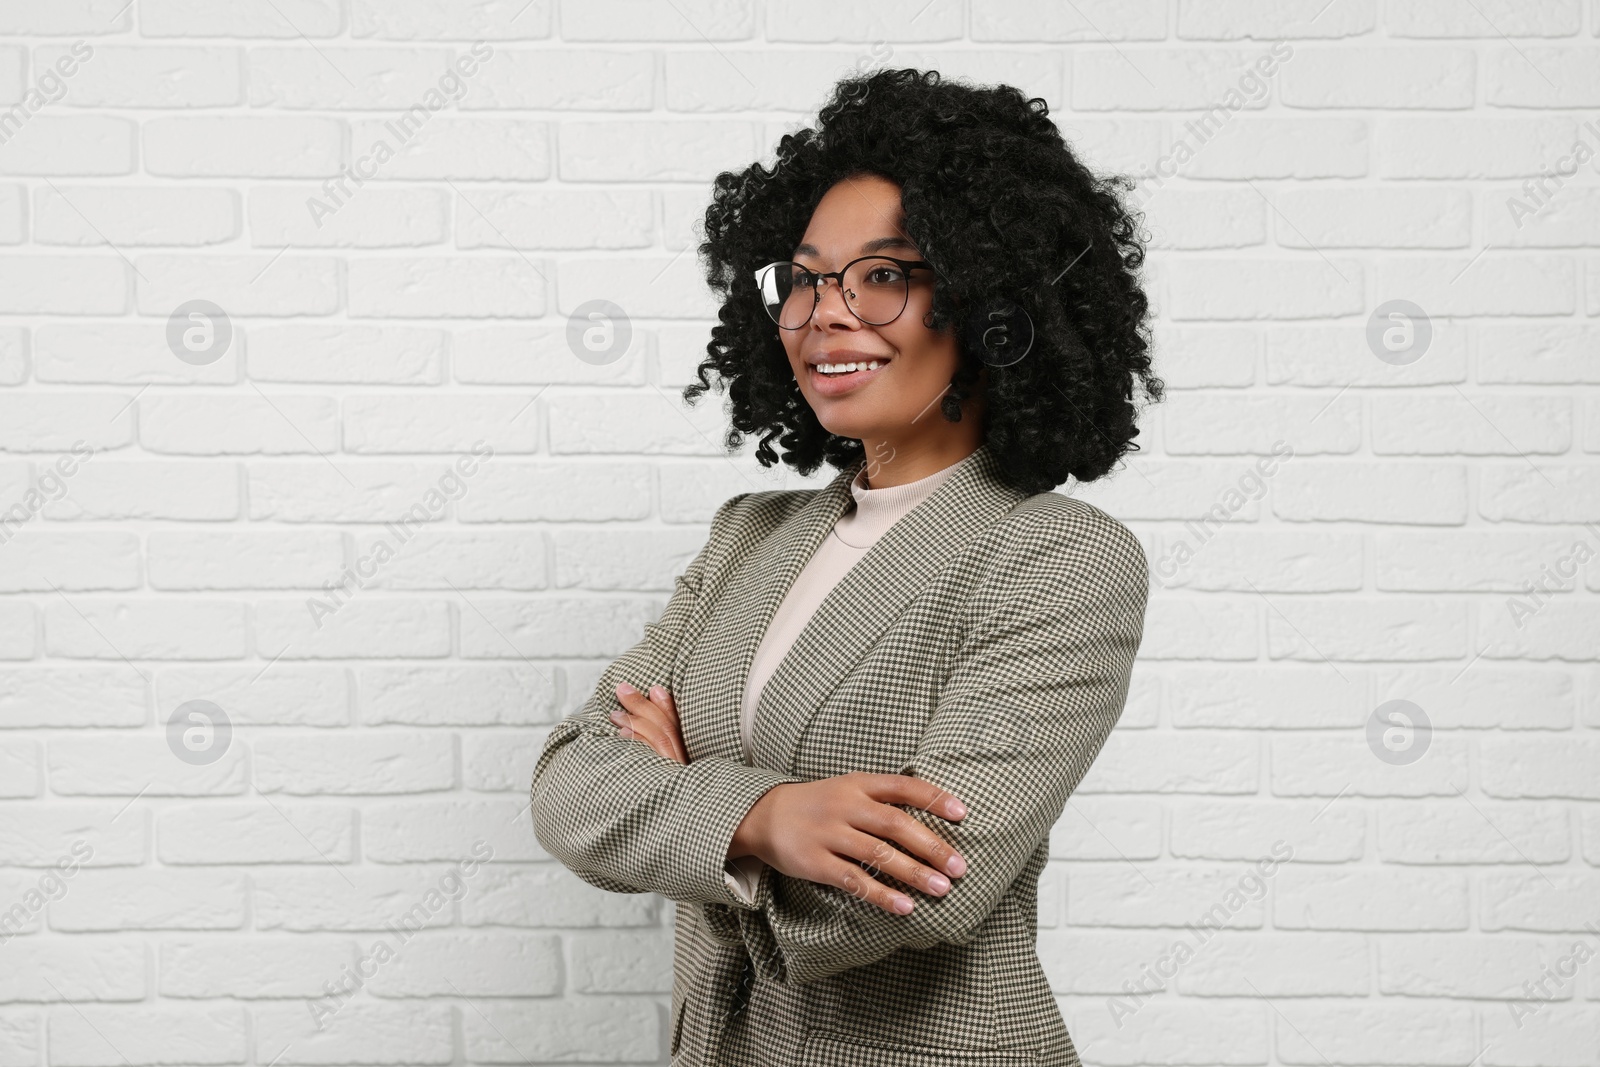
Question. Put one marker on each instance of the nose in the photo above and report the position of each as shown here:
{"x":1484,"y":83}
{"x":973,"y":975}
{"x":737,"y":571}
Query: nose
{"x":830,"y":312}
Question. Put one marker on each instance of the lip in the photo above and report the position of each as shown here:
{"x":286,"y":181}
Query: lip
{"x":844,"y":355}
{"x":839,"y":384}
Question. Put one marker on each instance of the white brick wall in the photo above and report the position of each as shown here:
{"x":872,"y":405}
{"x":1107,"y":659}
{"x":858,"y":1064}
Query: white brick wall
{"x":1374,"y":529}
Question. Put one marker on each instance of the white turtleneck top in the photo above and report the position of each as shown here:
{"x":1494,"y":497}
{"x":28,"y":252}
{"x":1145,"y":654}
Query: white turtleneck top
{"x":856,"y":531}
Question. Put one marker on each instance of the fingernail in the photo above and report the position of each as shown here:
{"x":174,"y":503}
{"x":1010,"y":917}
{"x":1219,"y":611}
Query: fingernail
{"x":956,"y":866}
{"x":939,"y":883}
{"x":618,"y":715}
{"x":659,"y":692}
{"x":956,"y":808}
{"x":903,"y":905}
{"x":624,"y":689}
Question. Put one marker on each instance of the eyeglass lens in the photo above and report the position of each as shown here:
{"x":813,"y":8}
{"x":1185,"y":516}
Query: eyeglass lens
{"x":874,"y":289}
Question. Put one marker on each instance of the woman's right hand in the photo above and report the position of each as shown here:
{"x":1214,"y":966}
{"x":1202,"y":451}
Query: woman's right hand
{"x":818,"y":830}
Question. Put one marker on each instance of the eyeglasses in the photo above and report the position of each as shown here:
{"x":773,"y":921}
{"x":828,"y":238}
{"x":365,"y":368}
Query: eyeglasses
{"x":875,"y":289}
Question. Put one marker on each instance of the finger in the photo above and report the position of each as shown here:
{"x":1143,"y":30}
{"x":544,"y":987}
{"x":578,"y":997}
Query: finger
{"x":660,"y":748}
{"x":637,"y":705}
{"x":649,"y":723}
{"x":665,"y":719}
{"x":917,"y":792}
{"x":859,"y":884}
{"x":883,"y":857}
{"x":640,"y":729}
{"x":667,"y":714}
{"x":669,"y":708}
{"x":886,"y":822}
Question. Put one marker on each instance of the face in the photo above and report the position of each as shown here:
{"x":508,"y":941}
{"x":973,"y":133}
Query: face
{"x":894,"y":408}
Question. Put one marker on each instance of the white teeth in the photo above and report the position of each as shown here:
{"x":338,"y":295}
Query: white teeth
{"x":846,"y":368}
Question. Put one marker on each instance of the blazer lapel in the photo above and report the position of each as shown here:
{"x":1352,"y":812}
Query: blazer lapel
{"x":744,"y":608}
{"x":848,"y":621}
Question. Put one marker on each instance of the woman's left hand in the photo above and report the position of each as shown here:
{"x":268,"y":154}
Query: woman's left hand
{"x":653,"y":720}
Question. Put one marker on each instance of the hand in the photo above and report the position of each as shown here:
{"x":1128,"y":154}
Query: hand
{"x":817,"y":830}
{"x":653,"y":721}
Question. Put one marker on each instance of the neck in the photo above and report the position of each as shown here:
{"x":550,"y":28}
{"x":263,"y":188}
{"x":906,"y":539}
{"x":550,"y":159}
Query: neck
{"x":889,"y":465}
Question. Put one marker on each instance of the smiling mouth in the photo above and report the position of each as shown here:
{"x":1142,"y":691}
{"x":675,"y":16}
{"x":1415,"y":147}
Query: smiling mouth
{"x":844,"y":378}
{"x":844,"y":370}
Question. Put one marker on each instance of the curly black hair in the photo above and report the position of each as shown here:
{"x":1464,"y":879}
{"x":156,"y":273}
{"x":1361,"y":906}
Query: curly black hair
{"x":999,"y":204}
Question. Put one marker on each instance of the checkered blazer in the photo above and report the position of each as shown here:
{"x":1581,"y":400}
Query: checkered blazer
{"x":984,"y":643}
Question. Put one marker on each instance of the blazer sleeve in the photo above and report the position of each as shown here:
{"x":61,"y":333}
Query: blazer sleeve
{"x":1038,"y":686}
{"x":624,"y":818}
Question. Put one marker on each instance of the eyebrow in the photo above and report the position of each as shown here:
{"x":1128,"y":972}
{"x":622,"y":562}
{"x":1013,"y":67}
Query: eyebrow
{"x":877,"y":244}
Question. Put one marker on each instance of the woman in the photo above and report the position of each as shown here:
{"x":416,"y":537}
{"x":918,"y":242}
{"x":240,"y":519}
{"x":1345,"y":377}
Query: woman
{"x":868,"y":703}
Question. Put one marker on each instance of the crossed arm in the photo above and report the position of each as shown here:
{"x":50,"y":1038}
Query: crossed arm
{"x":1039,"y":685}
{"x":1036,"y":693}
{"x":624,"y":818}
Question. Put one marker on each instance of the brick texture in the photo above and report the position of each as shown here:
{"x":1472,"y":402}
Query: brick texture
{"x":380,"y":516}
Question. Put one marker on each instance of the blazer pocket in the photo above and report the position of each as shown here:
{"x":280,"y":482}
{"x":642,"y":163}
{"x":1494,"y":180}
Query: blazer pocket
{"x":826,"y":1049}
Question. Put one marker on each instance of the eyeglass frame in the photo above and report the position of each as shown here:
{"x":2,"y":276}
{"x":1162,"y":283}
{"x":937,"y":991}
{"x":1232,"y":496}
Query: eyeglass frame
{"x":907,"y":265}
